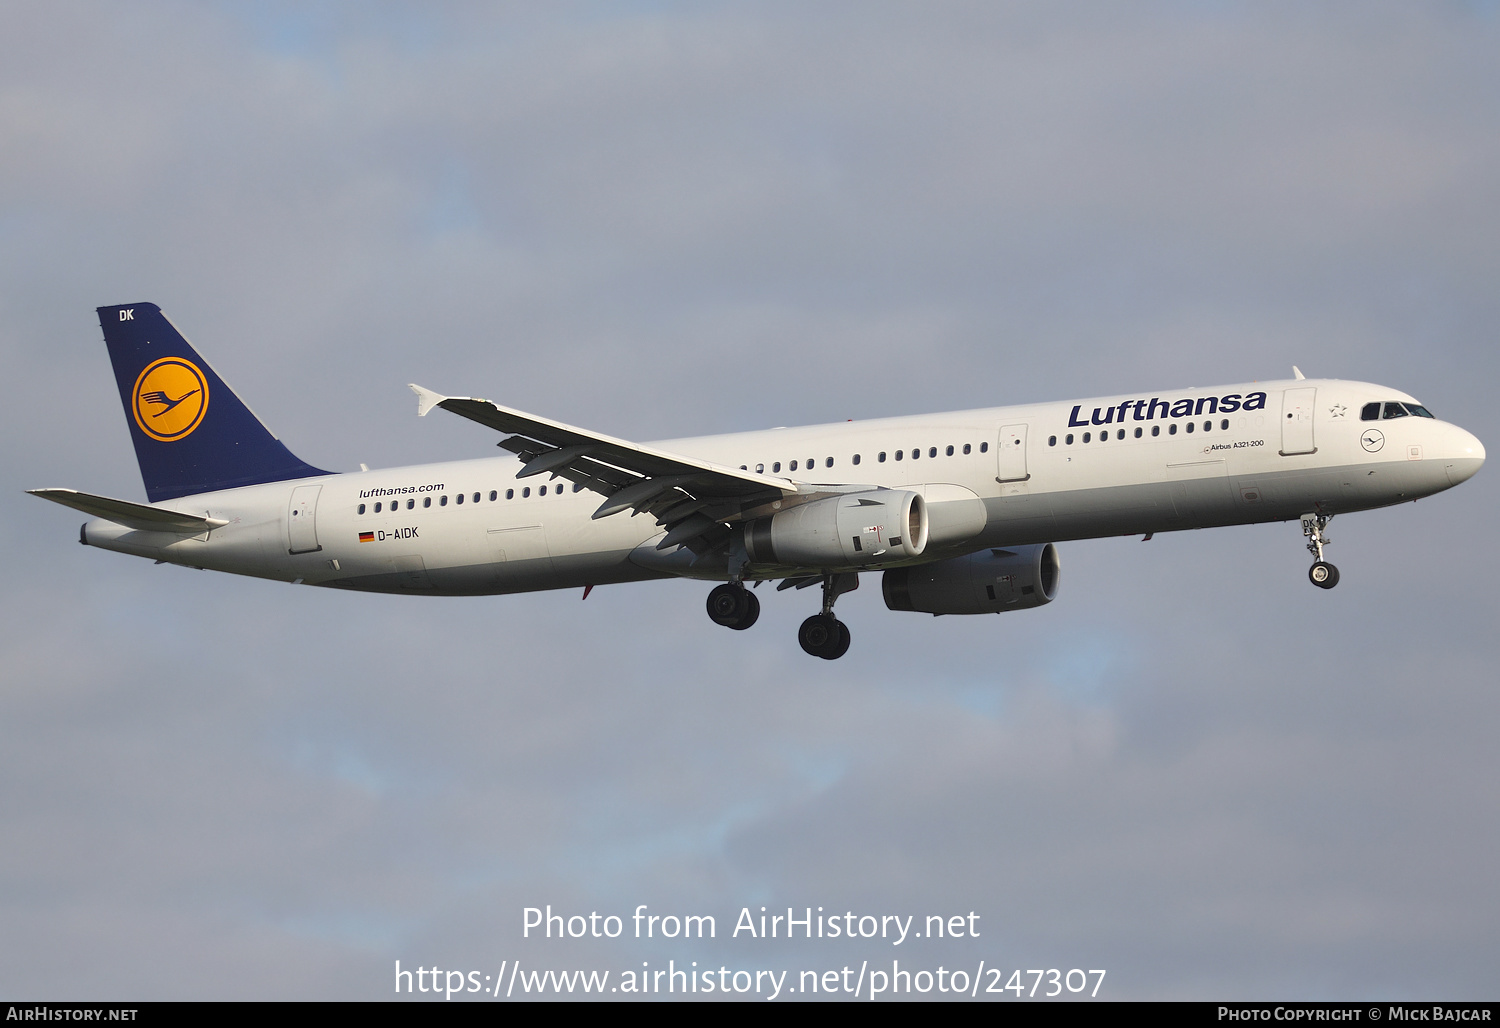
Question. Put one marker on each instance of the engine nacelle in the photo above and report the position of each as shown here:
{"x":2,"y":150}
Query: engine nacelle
{"x":878,"y":526}
{"x":986,"y":582}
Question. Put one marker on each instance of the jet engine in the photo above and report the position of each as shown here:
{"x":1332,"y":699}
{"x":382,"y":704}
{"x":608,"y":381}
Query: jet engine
{"x":986,"y":582}
{"x":878,"y":526}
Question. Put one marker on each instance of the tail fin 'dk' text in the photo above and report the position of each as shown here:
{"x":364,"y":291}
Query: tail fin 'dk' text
{"x":191,"y":433}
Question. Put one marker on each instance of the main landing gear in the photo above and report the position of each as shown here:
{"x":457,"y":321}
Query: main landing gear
{"x":733,"y":606}
{"x":1322,"y":574}
{"x":824,"y":635}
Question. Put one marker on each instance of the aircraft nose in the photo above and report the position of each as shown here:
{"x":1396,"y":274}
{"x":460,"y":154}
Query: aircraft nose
{"x":1464,"y":456}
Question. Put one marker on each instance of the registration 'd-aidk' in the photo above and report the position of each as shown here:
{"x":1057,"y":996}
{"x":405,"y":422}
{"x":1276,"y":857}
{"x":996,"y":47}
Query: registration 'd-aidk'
{"x":958,"y":512}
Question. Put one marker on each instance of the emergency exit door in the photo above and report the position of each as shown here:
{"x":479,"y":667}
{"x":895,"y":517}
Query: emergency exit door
{"x":1011,"y":455}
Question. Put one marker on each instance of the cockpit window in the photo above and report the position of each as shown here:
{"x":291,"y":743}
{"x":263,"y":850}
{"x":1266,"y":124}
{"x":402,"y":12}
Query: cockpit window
{"x":1419,"y":410}
{"x":1394,"y":410}
{"x":1370,"y":412}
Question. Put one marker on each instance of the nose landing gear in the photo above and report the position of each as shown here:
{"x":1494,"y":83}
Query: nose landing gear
{"x":824,"y":635}
{"x":733,"y":606}
{"x":1322,"y":574}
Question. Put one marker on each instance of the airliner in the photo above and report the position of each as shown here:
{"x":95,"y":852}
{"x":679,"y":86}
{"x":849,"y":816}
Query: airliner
{"x":960,"y":513}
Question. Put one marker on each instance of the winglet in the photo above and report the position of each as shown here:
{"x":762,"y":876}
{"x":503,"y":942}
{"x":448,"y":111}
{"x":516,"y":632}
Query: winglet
{"x":1296,"y":371}
{"x":426,"y":399}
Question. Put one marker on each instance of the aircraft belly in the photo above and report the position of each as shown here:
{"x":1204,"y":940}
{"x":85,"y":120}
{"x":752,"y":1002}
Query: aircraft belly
{"x":571,"y":572}
{"x":1211,"y":498}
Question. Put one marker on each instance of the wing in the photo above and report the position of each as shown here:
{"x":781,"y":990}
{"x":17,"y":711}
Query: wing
{"x":693,"y":499}
{"x":132,"y":515}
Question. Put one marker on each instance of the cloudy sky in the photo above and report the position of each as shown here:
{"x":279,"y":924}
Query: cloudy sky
{"x":657,"y":219}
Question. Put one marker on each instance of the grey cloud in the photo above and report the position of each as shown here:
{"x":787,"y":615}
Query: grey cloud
{"x":1192,"y":769}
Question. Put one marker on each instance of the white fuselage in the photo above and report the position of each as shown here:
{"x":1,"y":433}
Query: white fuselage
{"x":996,"y":477}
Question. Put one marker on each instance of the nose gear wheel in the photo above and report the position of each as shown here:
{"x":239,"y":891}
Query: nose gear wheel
{"x":1322,"y":574}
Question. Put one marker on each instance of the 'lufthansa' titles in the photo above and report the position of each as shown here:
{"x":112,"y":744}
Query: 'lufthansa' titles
{"x":1149,"y":410}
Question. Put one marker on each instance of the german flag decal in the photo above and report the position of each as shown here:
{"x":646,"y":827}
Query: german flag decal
{"x":367,"y":537}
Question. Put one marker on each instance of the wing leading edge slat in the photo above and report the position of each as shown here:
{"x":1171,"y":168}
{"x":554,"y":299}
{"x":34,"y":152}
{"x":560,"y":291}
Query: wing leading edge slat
{"x":691,"y":498}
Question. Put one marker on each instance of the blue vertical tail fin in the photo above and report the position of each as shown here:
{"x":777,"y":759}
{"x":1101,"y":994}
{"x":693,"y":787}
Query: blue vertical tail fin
{"x":191,"y":433}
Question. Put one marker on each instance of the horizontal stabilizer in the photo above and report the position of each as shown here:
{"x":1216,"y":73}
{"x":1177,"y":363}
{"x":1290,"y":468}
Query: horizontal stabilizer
{"x":132,"y":515}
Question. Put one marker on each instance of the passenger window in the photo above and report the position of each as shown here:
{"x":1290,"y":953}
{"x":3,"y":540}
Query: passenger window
{"x":966,"y":448}
{"x":443,"y":500}
{"x":410,"y":504}
{"x":476,"y":496}
{"x":494,"y":496}
{"x":1052,"y":440}
{"x":427,"y":501}
{"x":1138,"y":433}
{"x":1068,"y":438}
{"x":1156,"y":430}
{"x":1224,"y":425}
{"x":828,"y":462}
{"x":1394,"y":410}
{"x":1088,"y":437}
{"x":856,"y":458}
{"x":792,"y":465}
{"x":776,"y":468}
{"x":880,"y":457}
{"x":1120,"y":434}
{"x":1190,"y":427}
{"x":760,"y":469}
{"x":916,"y":454}
{"x":361,"y":508}
{"x":900,"y":454}
{"x":984,"y":447}
{"x":950,"y":451}
{"x":526,"y":493}
{"x":542,"y":491}
{"x":932,"y":451}
{"x":1370,"y":412}
{"x":1208,"y":426}
{"x":460,"y":498}
{"x":812,"y":462}
{"x":1171,"y":430}
{"x":510,"y":494}
{"x":377,"y":508}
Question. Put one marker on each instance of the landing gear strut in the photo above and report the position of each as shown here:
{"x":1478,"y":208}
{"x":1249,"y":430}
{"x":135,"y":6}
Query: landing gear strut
{"x":733,"y":606}
{"x":824,"y":635}
{"x":1322,"y":574}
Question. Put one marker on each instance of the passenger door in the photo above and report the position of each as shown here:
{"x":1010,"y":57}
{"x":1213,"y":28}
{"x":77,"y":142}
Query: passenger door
{"x":301,"y":520}
{"x":1297,"y":421}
